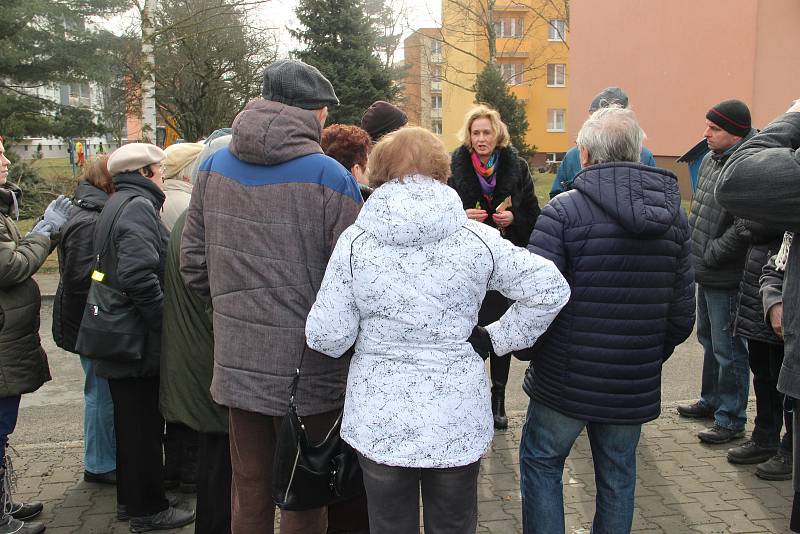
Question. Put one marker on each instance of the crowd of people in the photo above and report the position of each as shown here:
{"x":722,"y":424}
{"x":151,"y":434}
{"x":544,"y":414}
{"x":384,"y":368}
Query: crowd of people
{"x":354,"y":279}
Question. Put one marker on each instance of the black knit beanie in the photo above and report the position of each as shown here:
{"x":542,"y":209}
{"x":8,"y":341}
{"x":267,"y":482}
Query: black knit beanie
{"x":382,"y":118}
{"x":733,"y":116}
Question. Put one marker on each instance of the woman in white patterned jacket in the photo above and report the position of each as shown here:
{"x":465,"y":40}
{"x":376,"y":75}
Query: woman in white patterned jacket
{"x":404,"y":284}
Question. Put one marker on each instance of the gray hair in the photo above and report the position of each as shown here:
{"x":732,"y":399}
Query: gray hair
{"x":612,"y":134}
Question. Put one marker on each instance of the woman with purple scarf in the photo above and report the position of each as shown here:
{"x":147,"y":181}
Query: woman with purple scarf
{"x":496,"y":188}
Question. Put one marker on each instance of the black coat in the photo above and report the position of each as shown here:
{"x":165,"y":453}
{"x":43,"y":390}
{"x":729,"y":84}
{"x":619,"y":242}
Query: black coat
{"x":719,"y":246}
{"x":75,"y":262}
{"x":513,"y":179}
{"x":749,"y":308}
{"x":134,"y":262}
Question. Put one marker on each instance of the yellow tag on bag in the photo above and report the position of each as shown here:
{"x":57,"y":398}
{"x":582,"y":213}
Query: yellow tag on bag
{"x":97,"y":276}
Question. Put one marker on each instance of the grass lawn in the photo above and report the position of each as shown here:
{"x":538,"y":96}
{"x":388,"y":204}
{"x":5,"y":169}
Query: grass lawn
{"x":542,"y":183}
{"x":54,"y":168}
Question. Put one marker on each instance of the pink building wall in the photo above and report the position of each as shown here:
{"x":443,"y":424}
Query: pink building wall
{"x":677,"y":58}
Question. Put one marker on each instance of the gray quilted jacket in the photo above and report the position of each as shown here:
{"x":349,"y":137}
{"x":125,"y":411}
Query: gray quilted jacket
{"x":719,"y":247}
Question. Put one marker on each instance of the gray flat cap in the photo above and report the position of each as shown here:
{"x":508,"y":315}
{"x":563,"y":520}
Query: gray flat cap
{"x":297,"y":84}
{"x":610,"y":96}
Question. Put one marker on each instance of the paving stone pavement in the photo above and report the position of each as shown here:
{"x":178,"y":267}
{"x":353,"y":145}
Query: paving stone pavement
{"x":682,"y":486}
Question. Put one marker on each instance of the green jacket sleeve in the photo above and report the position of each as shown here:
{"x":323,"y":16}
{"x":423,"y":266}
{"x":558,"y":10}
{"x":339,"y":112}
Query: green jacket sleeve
{"x":20,"y":257}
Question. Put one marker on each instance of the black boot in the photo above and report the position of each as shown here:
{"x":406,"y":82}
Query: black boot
{"x":499,"y":406}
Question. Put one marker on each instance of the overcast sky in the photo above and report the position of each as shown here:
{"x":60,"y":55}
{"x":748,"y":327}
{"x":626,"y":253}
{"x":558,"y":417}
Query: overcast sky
{"x":280,"y":14}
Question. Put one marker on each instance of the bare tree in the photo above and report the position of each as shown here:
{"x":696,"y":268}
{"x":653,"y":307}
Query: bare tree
{"x":199,"y":19}
{"x":487,"y":30}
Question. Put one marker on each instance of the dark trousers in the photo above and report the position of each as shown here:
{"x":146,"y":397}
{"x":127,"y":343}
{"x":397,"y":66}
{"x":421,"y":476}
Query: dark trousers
{"x":180,"y":453}
{"x":253,"y":438}
{"x":9,"y":410}
{"x":493,"y":307}
{"x":138,"y":426}
{"x":449,"y":498}
{"x":213,"y":484}
{"x":765,"y":363}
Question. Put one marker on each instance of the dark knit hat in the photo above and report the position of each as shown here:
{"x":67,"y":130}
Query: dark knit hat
{"x":733,"y":116}
{"x":382,"y":118}
{"x":297,"y":84}
{"x":610,"y":96}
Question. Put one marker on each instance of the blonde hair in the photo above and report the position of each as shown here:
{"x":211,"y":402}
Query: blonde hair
{"x":484,"y":112}
{"x":407,"y":151}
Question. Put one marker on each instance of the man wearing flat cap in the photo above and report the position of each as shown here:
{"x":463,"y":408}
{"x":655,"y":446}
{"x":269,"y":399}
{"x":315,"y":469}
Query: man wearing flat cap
{"x":264,"y":217}
{"x":132,"y":261}
{"x":719,"y":250}
{"x":571,"y":164}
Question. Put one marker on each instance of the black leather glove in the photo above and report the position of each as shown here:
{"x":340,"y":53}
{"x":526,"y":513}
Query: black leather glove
{"x":481,"y":342}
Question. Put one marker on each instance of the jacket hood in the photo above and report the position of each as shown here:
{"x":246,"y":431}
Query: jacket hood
{"x":269,"y":133}
{"x":413,"y":212}
{"x":89,"y":197}
{"x":10,"y":195}
{"x":644,"y":200}
{"x":133,"y":181}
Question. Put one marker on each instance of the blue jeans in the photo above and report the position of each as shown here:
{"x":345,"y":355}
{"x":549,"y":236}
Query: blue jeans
{"x":726,"y":370}
{"x":99,"y":445}
{"x":547,"y":438}
{"x":9,"y":410}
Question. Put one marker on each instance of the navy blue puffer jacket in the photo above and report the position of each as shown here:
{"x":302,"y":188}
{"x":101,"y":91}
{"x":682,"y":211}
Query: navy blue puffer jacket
{"x":621,"y":239}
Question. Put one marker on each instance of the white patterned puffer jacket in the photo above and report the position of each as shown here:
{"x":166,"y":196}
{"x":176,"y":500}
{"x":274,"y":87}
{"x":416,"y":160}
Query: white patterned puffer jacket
{"x":404,"y":284}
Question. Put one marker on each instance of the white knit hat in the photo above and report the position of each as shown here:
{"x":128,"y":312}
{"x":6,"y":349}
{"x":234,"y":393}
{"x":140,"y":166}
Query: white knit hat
{"x":179,"y":157}
{"x":134,"y":156}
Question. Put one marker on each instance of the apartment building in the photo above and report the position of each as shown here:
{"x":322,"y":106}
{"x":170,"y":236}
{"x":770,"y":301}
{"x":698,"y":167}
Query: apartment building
{"x":422,"y":84}
{"x":677,"y":58}
{"x":531,"y":48}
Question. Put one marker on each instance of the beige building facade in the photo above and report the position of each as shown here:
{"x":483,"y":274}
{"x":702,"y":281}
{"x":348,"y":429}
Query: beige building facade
{"x":677,"y":58}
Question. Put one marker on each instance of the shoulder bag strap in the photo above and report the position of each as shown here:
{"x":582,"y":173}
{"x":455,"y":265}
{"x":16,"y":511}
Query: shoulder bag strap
{"x":107,"y":236}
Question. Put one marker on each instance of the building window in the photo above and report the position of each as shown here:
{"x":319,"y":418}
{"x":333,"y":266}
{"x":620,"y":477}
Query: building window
{"x":557,"y":30}
{"x":512,"y":72}
{"x":436,"y":101}
{"x":436,"y":73}
{"x":436,"y":47}
{"x":556,"y":75}
{"x":509,"y":27}
{"x":555,"y":157}
{"x":555,"y":120}
{"x":436,"y":126}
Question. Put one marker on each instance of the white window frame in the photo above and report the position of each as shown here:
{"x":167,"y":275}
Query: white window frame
{"x":436,"y":126}
{"x":553,"y":120}
{"x":509,"y":27}
{"x":512,"y":72}
{"x":436,"y":47}
{"x":557,"y":74}
{"x":436,"y":99}
{"x":557,"y":30}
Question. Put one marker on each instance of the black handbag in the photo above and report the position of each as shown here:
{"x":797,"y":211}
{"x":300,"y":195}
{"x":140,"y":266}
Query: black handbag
{"x":310,"y":475}
{"x":111,"y":328}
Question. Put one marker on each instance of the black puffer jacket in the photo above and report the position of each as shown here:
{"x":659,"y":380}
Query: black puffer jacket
{"x":749,"y":309}
{"x":134,"y":263}
{"x":75,"y":262}
{"x":513,"y":179}
{"x":718,"y":245}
